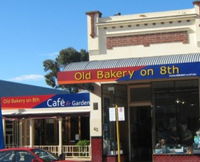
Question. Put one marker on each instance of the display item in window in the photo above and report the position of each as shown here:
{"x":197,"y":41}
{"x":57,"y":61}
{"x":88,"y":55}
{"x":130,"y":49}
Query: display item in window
{"x":173,"y":136}
{"x":197,"y":140}
{"x":161,"y":146}
{"x":185,"y":135}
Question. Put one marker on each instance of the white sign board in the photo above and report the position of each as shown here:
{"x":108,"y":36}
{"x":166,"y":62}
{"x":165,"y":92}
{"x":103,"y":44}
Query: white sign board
{"x":112,"y":114}
{"x":121,"y":114}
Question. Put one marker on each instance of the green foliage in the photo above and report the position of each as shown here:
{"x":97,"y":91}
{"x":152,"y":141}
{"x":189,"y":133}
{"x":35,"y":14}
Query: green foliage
{"x":65,"y":56}
{"x":83,"y":143}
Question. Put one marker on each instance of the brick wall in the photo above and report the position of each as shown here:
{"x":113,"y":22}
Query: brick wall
{"x":147,"y":39}
{"x":97,"y":149}
{"x":176,"y":158}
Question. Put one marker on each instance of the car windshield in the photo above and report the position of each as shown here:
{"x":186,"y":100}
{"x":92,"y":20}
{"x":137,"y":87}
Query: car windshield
{"x":45,"y":155}
{"x":7,"y":156}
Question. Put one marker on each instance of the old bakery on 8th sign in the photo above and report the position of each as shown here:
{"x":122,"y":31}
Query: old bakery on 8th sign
{"x":149,"y":64}
{"x":128,"y":73}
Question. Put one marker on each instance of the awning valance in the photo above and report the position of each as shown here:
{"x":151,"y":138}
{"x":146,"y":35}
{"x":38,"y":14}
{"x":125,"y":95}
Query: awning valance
{"x":131,"y":69}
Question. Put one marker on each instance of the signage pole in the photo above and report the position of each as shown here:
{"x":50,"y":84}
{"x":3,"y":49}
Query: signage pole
{"x":118,"y":135}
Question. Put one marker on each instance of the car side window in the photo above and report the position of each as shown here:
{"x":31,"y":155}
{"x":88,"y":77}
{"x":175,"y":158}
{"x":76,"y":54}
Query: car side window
{"x":7,"y":156}
{"x":23,"y":156}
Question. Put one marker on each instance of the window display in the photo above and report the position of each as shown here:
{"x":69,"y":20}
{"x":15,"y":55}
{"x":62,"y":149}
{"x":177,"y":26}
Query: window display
{"x":196,"y":146}
{"x":177,"y":117}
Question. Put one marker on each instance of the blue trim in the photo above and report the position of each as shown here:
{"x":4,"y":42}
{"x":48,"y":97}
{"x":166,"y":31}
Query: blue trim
{"x":180,"y":70}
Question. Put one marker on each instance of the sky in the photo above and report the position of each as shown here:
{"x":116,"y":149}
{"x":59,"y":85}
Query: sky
{"x":32,"y":31}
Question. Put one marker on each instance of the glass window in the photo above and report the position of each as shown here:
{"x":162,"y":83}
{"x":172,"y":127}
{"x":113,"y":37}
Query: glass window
{"x":140,"y":94}
{"x":23,"y":156}
{"x":46,"y":132}
{"x":114,"y":94}
{"x":7,"y":156}
{"x":74,"y":128}
{"x":176,"y":116}
{"x":45,"y":155}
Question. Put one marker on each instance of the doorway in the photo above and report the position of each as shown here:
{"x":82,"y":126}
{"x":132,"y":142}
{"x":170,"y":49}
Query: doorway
{"x":140,"y":134}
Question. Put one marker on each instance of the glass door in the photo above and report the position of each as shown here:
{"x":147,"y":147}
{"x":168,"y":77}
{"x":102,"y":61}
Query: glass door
{"x":140,"y":123}
{"x":140,"y":134}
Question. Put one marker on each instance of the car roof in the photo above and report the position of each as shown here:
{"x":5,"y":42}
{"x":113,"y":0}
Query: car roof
{"x":17,"y":148}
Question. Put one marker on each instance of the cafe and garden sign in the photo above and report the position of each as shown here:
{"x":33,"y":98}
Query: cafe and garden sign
{"x":46,"y":101}
{"x":130,"y":73}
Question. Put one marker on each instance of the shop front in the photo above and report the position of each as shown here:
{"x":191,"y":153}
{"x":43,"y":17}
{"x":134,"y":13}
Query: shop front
{"x":162,"y":117}
{"x":57,"y":123}
{"x":160,"y":96}
{"x":148,"y":64}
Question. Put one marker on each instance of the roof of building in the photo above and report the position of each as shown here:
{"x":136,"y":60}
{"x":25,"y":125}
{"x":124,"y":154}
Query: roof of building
{"x":145,"y":17}
{"x":17,"y":89}
{"x":127,"y":62}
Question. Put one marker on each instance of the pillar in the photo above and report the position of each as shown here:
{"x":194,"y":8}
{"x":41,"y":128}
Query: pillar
{"x":4,"y":129}
{"x":31,"y":135}
{"x":60,"y":135}
{"x":20,"y":133}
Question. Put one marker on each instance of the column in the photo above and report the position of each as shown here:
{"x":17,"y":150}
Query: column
{"x":60,"y":135}
{"x":79,"y":127}
{"x":31,"y":135}
{"x":20,"y":133}
{"x":4,"y":130}
{"x":26,"y":130}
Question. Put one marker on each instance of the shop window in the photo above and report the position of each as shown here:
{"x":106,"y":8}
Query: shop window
{"x":76,"y":128}
{"x":46,"y":132}
{"x":176,"y":116}
{"x":114,"y":94}
{"x":85,"y":128}
{"x":12,"y":133}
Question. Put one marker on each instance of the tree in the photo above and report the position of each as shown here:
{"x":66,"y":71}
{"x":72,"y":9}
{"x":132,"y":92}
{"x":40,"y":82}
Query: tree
{"x":66,"y":56}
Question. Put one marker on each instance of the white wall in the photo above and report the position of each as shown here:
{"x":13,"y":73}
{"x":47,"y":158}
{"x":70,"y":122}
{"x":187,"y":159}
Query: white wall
{"x":183,"y":20}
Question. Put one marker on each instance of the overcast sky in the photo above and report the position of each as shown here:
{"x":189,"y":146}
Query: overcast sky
{"x":32,"y":31}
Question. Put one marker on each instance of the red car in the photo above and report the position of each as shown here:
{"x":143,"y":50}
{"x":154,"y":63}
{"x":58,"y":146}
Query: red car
{"x":27,"y":155}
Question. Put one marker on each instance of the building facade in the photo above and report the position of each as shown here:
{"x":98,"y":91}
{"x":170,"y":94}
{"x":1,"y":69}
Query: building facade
{"x":148,"y":64}
{"x":41,"y":117}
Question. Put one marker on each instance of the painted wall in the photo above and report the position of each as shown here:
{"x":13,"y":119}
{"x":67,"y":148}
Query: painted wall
{"x":143,"y":25}
{"x":167,"y":27}
{"x":96,"y":113}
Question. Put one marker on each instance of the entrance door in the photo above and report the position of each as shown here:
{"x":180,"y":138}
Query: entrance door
{"x":140,"y":134}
